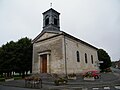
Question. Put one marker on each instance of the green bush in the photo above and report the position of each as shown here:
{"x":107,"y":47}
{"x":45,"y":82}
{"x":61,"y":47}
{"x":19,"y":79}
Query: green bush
{"x":56,"y":82}
{"x":72,"y":75}
{"x":60,"y":81}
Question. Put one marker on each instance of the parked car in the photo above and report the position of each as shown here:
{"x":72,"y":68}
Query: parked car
{"x":94,"y":74}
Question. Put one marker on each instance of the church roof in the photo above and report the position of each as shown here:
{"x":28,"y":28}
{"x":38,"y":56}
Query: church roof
{"x":51,"y":9}
{"x":79,"y":40}
{"x":62,"y":33}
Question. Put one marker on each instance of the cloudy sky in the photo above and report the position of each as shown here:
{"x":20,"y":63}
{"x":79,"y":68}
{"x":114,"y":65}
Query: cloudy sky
{"x":94,"y":21}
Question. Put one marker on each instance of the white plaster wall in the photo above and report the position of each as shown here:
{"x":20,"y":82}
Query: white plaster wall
{"x":56,"y":56}
{"x":73,"y":66}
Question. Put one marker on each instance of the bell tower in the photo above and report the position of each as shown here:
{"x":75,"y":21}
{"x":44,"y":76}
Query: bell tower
{"x":51,"y":20}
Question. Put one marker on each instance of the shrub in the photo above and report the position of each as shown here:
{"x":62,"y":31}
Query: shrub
{"x":72,"y":75}
{"x":60,"y":81}
{"x":56,"y":82}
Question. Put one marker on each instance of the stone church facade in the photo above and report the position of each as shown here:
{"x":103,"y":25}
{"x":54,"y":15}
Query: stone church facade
{"x":55,"y":51}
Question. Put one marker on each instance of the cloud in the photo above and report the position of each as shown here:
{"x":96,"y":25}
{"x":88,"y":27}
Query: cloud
{"x":95,"y":21}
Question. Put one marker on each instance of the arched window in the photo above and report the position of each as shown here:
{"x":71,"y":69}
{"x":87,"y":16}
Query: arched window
{"x":92,"y":59}
{"x":47,"y":21}
{"x":55,"y":21}
{"x":85,"y":58}
{"x":78,"y":56}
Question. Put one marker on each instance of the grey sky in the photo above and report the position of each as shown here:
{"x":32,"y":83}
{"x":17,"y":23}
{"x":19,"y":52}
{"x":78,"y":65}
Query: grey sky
{"x":94,"y":21}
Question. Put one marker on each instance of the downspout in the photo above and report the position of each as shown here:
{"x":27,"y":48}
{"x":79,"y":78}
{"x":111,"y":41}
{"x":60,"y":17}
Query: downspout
{"x":65,"y":56}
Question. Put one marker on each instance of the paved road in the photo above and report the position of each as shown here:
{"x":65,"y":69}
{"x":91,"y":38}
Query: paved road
{"x":70,"y":88}
{"x":116,"y":70}
{"x":13,"y":88}
{"x":108,"y":81}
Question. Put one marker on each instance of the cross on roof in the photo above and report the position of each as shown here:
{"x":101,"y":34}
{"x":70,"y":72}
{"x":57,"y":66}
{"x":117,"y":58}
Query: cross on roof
{"x":50,"y":4}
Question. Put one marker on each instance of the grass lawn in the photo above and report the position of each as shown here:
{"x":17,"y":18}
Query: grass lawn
{"x":15,"y":78}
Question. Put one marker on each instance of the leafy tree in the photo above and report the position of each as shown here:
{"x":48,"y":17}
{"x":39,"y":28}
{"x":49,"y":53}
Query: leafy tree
{"x":24,"y":55}
{"x":103,"y":56}
{"x":16,"y":57}
{"x":1,"y":60}
{"x":7,"y":57}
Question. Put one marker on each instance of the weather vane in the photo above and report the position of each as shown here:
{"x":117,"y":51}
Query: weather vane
{"x":50,"y":4}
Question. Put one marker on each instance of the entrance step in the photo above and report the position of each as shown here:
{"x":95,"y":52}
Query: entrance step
{"x":46,"y":77}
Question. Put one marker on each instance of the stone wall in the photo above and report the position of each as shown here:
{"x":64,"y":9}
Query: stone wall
{"x":56,"y":56}
{"x":73,"y":66}
{"x":56,"y":46}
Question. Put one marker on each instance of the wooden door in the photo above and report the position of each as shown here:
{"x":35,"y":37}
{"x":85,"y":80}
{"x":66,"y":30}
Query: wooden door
{"x":44,"y":63}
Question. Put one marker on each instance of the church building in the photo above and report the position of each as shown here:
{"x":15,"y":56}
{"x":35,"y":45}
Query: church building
{"x":55,"y":51}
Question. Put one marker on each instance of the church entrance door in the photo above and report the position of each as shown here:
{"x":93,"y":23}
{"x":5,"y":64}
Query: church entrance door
{"x":44,"y":63}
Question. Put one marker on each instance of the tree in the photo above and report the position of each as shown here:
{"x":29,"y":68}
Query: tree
{"x":16,"y":57}
{"x":7,"y":58}
{"x":1,"y":60}
{"x":103,"y":56}
{"x":24,"y":55}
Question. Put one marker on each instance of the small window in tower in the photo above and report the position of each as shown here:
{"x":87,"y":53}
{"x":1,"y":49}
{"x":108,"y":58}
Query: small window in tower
{"x":55,"y":21}
{"x":47,"y":21}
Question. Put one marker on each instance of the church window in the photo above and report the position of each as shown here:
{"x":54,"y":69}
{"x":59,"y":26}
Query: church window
{"x":55,"y":21}
{"x":78,"y":56}
{"x":92,"y":59}
{"x":47,"y":21}
{"x":85,"y":58}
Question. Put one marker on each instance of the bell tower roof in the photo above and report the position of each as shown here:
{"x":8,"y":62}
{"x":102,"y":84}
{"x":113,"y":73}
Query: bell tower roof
{"x":51,"y":20}
{"x":51,"y":9}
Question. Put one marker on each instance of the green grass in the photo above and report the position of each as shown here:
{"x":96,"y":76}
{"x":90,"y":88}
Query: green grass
{"x":2,"y":79}
{"x":17,"y":78}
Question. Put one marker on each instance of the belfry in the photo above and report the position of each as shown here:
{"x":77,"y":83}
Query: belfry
{"x":51,"y":20}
